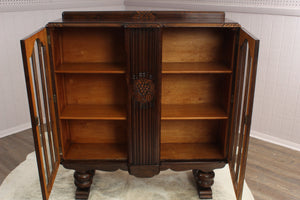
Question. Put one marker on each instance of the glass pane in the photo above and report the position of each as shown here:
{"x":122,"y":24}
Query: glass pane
{"x":46,"y":93}
{"x":243,"y":112}
{"x":241,"y":98}
{"x":32,"y":61}
{"x":47,"y":140}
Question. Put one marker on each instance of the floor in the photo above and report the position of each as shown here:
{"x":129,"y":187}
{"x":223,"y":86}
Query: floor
{"x":273,"y":172}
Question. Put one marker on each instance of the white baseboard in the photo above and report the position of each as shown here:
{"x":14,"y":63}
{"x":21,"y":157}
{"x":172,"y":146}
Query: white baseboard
{"x":15,"y":129}
{"x":275,"y":140}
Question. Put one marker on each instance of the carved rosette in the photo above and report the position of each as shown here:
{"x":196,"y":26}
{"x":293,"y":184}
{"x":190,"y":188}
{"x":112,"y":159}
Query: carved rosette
{"x":143,"y":89}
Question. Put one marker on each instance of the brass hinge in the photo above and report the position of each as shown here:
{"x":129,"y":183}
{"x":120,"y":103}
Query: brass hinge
{"x":232,"y":98}
{"x":48,"y":39}
{"x":246,"y":119}
{"x":36,"y":121}
{"x":54,"y":98}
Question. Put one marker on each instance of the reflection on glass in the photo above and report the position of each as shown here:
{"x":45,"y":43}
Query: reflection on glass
{"x":48,"y":116}
{"x":37,"y":108}
{"x":242,"y":97}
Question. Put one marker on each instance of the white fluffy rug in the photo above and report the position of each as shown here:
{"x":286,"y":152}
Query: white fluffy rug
{"x":23,"y":184}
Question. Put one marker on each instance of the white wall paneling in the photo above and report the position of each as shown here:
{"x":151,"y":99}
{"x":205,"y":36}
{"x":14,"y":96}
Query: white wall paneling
{"x":14,"y":111}
{"x":26,"y":5}
{"x":277,"y":97}
{"x":276,"y":7}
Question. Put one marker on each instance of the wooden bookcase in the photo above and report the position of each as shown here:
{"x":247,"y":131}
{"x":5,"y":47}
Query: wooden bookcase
{"x":141,"y":91}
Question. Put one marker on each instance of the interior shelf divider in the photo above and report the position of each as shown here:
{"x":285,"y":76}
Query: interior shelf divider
{"x":94,"y":112}
{"x":195,"y":68}
{"x":192,"y":112}
{"x":92,"y":68}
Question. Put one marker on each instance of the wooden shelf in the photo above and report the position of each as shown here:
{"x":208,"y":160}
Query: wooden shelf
{"x":194,"y":68}
{"x":97,"y":151}
{"x":100,"y":68}
{"x":94,"y":112}
{"x":190,"y":151}
{"x":192,"y":112}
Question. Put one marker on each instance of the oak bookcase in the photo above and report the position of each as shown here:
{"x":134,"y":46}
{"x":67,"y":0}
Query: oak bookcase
{"x":142,"y":91}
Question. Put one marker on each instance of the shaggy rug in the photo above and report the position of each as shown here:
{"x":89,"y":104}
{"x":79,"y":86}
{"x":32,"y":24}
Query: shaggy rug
{"x":23,"y":184}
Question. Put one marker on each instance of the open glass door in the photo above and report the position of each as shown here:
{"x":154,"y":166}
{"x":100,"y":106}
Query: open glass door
{"x":242,"y":110}
{"x":40,"y":95}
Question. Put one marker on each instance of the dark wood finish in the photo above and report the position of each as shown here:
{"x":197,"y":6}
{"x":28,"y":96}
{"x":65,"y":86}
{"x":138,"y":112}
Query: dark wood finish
{"x":39,"y":88}
{"x":242,"y":111}
{"x":145,"y":91}
{"x":144,"y":171}
{"x":138,"y":16}
{"x":204,"y":181}
{"x":144,"y":84}
{"x":166,"y":18}
{"x":104,"y":165}
{"x":83,"y":182}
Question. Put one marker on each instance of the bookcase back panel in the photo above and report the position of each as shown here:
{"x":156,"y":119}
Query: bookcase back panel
{"x":65,"y":135}
{"x":190,"y":131}
{"x":195,"y":45}
{"x":94,"y":89}
{"x":81,"y":45}
{"x":97,"y":131}
{"x":194,"y":89}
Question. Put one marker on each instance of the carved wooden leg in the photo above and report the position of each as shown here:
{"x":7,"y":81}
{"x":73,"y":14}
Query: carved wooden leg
{"x":204,"y":181}
{"x":83,"y":181}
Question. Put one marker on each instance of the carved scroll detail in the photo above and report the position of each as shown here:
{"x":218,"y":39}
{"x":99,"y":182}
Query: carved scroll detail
{"x":144,"y":15}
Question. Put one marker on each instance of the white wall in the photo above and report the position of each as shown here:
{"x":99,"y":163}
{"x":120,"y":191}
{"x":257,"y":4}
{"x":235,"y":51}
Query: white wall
{"x":14,"y":110}
{"x":276,"y":114}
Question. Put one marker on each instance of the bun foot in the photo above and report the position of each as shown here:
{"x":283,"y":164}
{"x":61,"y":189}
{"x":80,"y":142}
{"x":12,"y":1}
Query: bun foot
{"x":204,"y":181}
{"x":83,"y":181}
